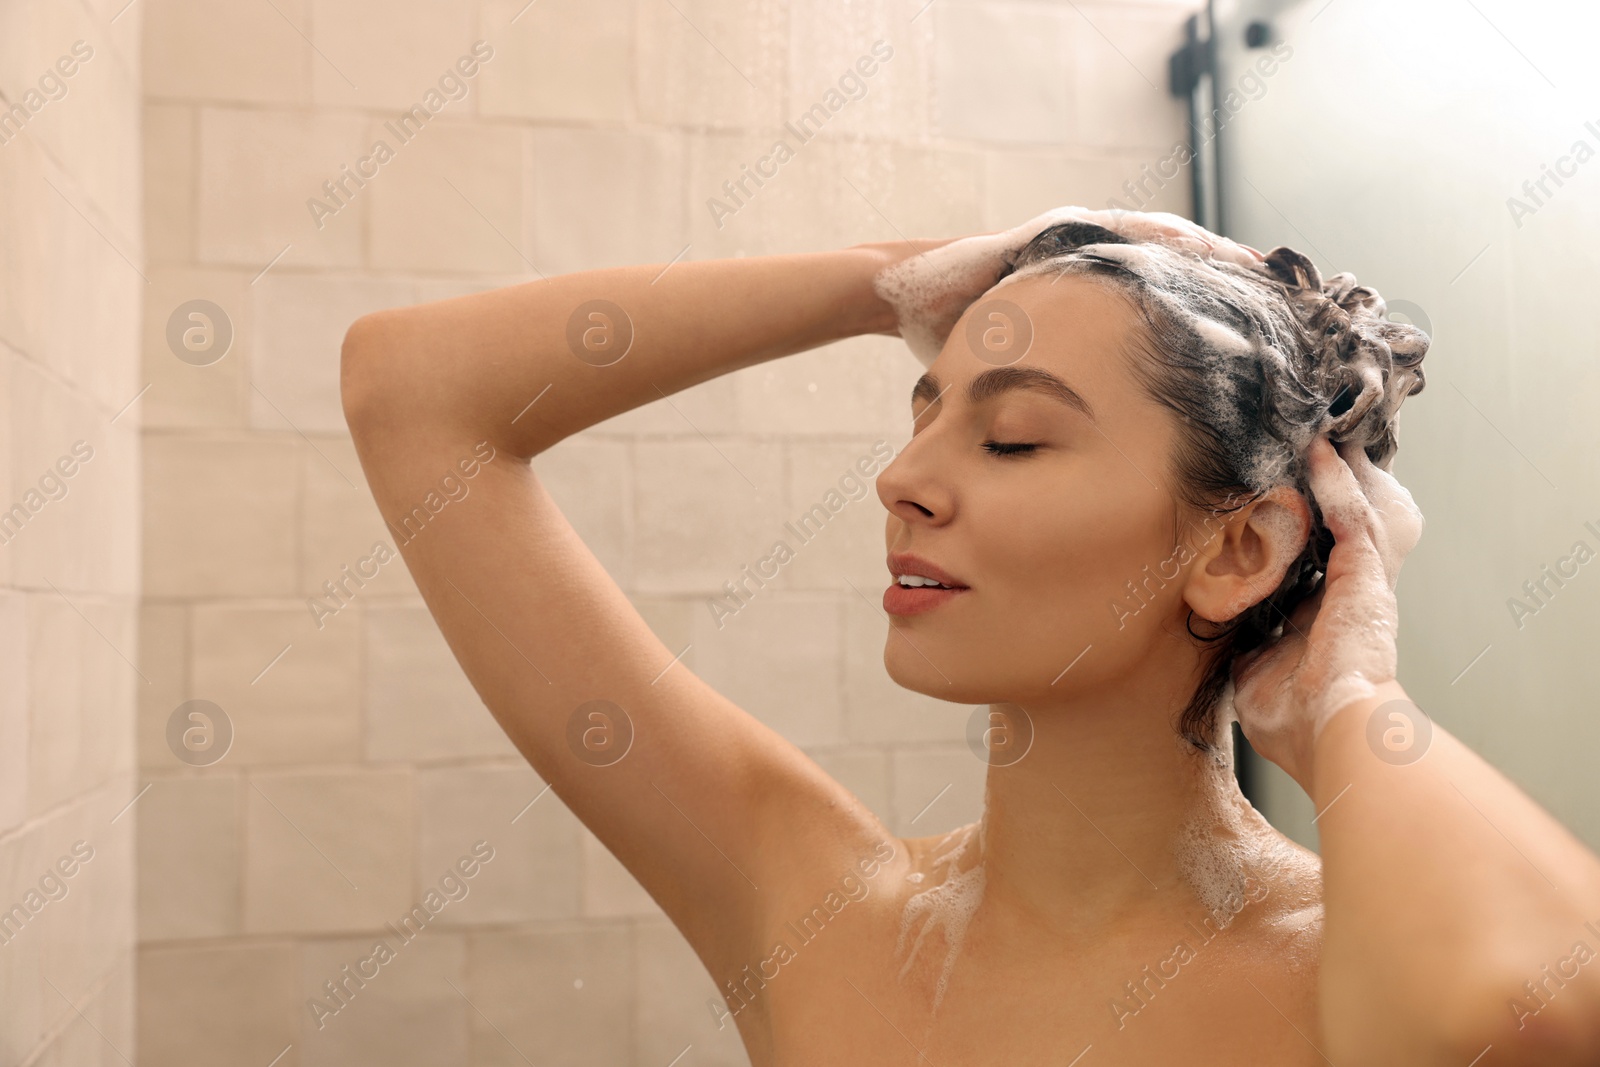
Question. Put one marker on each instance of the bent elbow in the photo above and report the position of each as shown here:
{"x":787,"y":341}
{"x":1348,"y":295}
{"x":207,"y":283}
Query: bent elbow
{"x":366,"y":363}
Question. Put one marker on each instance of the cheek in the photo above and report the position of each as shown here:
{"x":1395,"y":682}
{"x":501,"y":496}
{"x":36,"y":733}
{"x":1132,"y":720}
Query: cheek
{"x":1066,"y":559}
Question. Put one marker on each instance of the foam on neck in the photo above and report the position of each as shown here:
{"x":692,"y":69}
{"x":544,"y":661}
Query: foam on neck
{"x":949,"y":905}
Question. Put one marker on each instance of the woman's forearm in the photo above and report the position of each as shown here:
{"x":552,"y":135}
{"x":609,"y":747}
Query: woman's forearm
{"x":471,"y":366}
{"x":1446,"y":889}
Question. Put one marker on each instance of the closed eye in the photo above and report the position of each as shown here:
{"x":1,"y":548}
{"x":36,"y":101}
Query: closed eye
{"x":1003,"y":448}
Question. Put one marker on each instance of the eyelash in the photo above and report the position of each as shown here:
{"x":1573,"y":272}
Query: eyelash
{"x":1002,"y":448}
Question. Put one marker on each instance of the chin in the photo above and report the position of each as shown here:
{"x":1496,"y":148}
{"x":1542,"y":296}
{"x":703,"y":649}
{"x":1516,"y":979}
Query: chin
{"x":948,"y":677}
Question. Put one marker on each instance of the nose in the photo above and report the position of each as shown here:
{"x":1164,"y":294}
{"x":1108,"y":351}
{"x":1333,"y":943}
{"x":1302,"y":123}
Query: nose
{"x":915,"y":486}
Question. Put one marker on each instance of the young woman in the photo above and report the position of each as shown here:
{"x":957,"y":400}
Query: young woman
{"x":1141,"y":529}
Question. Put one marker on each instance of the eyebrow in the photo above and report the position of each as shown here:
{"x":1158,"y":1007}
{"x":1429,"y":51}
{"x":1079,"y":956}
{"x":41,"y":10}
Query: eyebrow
{"x":992,"y":383}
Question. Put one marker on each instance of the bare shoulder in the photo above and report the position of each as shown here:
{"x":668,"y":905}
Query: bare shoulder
{"x":1293,"y":881}
{"x":1283,"y":916}
{"x":1281,"y":951}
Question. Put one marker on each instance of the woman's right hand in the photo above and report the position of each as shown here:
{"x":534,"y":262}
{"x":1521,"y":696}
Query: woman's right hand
{"x":926,"y":285}
{"x":925,"y":295}
{"x":889,"y":254}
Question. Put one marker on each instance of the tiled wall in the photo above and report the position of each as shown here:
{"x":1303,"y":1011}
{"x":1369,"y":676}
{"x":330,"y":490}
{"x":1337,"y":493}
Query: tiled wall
{"x":70,"y":291}
{"x":362,"y":764}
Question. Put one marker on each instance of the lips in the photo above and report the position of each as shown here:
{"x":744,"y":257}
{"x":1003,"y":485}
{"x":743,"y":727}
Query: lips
{"x":905,"y":563}
{"x":906,"y":600}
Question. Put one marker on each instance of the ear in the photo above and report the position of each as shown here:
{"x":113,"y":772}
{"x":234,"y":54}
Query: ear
{"x":1246,"y":559}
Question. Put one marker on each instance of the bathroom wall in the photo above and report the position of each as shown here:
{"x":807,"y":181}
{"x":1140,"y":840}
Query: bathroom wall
{"x":343,"y":763}
{"x":71,"y":284}
{"x":1411,"y":158}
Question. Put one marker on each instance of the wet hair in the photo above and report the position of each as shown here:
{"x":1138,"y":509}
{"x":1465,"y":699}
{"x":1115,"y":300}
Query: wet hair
{"x":1256,"y":362}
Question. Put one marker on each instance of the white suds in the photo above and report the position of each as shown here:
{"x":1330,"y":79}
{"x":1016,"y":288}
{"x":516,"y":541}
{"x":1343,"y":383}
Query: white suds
{"x":947,"y":906}
{"x":1225,"y":842}
{"x":1244,"y":326}
{"x":930,"y":291}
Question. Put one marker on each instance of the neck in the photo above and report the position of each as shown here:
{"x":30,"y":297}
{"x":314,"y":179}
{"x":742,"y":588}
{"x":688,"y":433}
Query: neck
{"x":1110,"y":814}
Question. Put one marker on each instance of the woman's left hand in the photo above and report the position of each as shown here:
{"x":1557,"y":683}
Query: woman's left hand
{"x":1339,"y":645}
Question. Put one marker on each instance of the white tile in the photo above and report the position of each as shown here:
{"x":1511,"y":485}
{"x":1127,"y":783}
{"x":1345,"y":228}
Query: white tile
{"x":563,"y":993}
{"x":219,"y":516}
{"x":204,"y":50}
{"x":451,"y":199}
{"x":327,"y":852}
{"x":14,"y":701}
{"x":209,"y":1003}
{"x":936,"y":789}
{"x":299,"y":326}
{"x":592,"y":483}
{"x":534,"y":871}
{"x":291,"y":689}
{"x":704,"y":511}
{"x":559,"y":59}
{"x":342,"y":533}
{"x":403,"y":1013}
{"x":1120,"y":76}
{"x":589,"y":209}
{"x":1002,"y":72}
{"x":183,"y":394}
{"x":837,"y":59}
{"x":258,"y":172}
{"x":842,"y":516}
{"x":388,"y":54}
{"x":189,"y":854}
{"x":1021,"y":184}
{"x":419,"y":704}
{"x":778,"y":658}
{"x":169,"y":157}
{"x":679,"y":1004}
{"x":710,"y":62}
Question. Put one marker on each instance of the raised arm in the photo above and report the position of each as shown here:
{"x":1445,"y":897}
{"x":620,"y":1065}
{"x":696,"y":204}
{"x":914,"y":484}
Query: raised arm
{"x":1462,"y":920}
{"x":713,"y":812}
{"x":461,"y":370}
